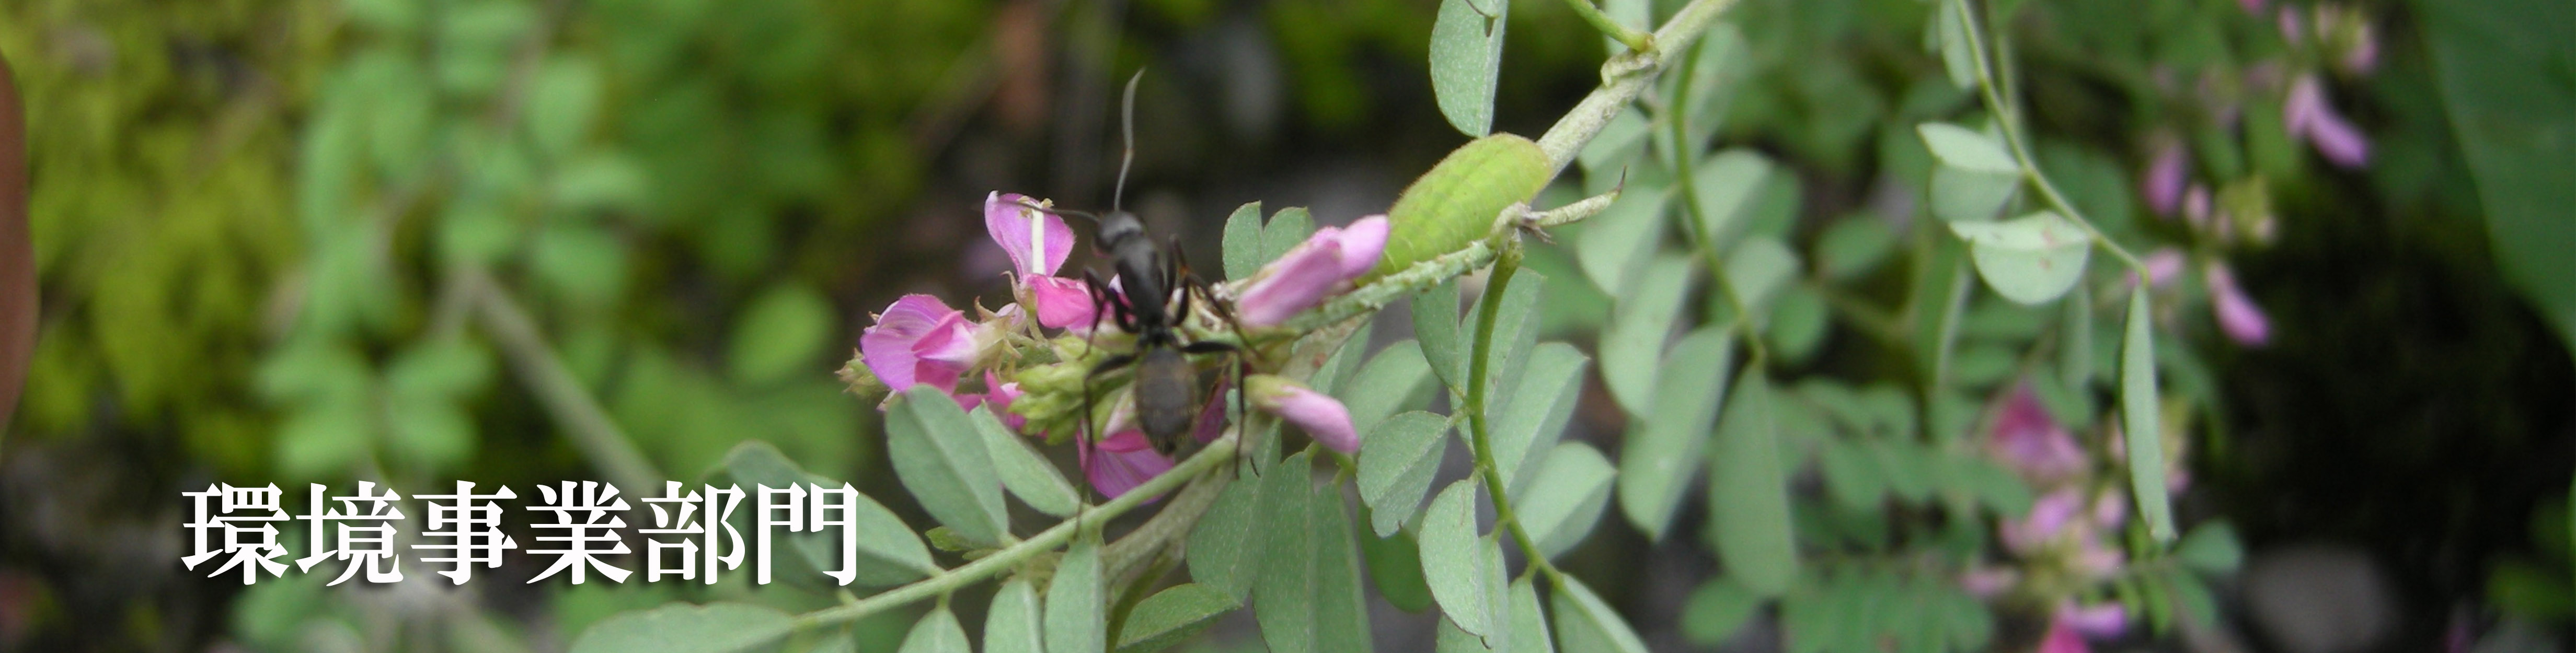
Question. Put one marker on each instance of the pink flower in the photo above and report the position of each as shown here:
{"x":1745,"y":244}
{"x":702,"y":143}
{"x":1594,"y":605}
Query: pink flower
{"x":2049,"y":517}
{"x":2237,"y":315}
{"x":2027,"y":440}
{"x":1320,"y":416}
{"x":1314,"y":270}
{"x":2062,"y":638}
{"x":2164,"y":179}
{"x":1124,"y":460}
{"x":919,"y":340}
{"x":999,"y":396}
{"x":1038,"y":243}
{"x":2307,"y":115}
{"x":2162,"y":265}
{"x":1988,"y":582}
{"x":2099,"y":621}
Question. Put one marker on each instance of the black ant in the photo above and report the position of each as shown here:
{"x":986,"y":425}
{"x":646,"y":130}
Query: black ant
{"x":1166,"y":386}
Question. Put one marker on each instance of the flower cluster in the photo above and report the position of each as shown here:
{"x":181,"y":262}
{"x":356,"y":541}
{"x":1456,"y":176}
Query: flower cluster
{"x":1038,"y":383}
{"x":2067,"y":544}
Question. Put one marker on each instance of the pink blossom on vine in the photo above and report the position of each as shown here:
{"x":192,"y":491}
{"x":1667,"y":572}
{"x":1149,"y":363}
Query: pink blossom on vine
{"x":1038,"y":242}
{"x":2307,"y":115}
{"x":1319,"y":415}
{"x":920,"y":340}
{"x":2027,"y":440}
{"x":2238,"y":316}
{"x":1313,"y":270}
{"x":2163,"y":182}
{"x":1121,"y":462}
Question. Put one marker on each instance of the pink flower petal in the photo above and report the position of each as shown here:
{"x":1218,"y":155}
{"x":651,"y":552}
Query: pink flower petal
{"x":2306,"y":114}
{"x":893,"y":347}
{"x":1296,"y":282}
{"x":2062,"y":639}
{"x":2026,"y":439}
{"x":1000,"y":395}
{"x":2100,"y":621}
{"x":1061,"y":302}
{"x":1320,"y":416}
{"x":1211,"y":422}
{"x":2049,"y":517}
{"x":1037,"y":240}
{"x":1362,"y":243}
{"x":2243,"y":321}
{"x":1988,"y":582}
{"x":2163,"y":182}
{"x":1123,"y":461}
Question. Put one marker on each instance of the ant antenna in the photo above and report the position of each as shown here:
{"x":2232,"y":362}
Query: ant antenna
{"x":1127,"y":129}
{"x":1033,"y":206}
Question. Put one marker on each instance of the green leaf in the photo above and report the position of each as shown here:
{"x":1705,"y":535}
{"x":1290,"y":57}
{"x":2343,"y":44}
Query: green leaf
{"x":1074,"y":622}
{"x":1998,"y":488}
{"x":2210,"y":549}
{"x":1011,"y":624}
{"x":323,"y":440}
{"x":582,"y":262}
{"x":1613,"y":247}
{"x":563,"y":102}
{"x":1307,"y":599}
{"x":1851,"y":474}
{"x":1242,"y":247}
{"x":1798,"y":323}
{"x":1285,"y":230}
{"x":1727,"y":185}
{"x":1395,"y":567}
{"x":2192,"y":600}
{"x":1950,"y":30}
{"x":2504,"y":70}
{"x":1566,"y":498}
{"x":1396,"y":379}
{"x":1466,"y":61}
{"x":1717,"y":610}
{"x":2138,"y":406}
{"x":1756,"y":269}
{"x":1662,"y":451}
{"x":1963,"y":195}
{"x":1170,"y":617}
{"x":1526,"y":425}
{"x":1454,"y":558}
{"x":601,"y":182}
{"x":1396,"y":463}
{"x":687,"y":628}
{"x":1528,"y":625}
{"x":1853,"y":246}
{"x":945,"y":465}
{"x":1967,"y":149}
{"x":1632,"y":348}
{"x":1749,"y":493}
{"x":1435,"y":329}
{"x":1225,"y":550}
{"x":937,"y":632}
{"x":1024,"y":472}
{"x":1456,"y":203}
{"x":2031,"y":259}
{"x":1586,"y":624}
{"x":781,"y":334}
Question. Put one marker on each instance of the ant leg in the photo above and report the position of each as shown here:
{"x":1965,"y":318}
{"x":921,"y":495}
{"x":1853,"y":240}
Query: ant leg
{"x":1242,"y":369}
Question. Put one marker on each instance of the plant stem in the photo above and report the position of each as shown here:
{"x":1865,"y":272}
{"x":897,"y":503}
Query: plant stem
{"x":1635,"y":40}
{"x":580,"y":415}
{"x":1208,"y":458}
{"x":1479,"y":428}
{"x":1683,"y":151}
{"x":2008,"y":117}
{"x":1624,"y":78}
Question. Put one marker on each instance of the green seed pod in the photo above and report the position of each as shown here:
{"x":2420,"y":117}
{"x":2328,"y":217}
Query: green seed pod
{"x":1455,"y":203}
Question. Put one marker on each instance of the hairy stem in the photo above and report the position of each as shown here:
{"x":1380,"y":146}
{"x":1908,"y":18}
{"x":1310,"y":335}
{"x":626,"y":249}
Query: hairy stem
{"x":1624,"y":78}
{"x":1008,"y":558}
{"x":583,"y":420}
{"x":2008,"y":117}
{"x":1635,"y":40}
{"x":1479,"y":428}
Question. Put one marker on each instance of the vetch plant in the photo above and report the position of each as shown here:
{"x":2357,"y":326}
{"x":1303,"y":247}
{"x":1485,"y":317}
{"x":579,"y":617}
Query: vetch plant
{"x":1823,"y":497}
